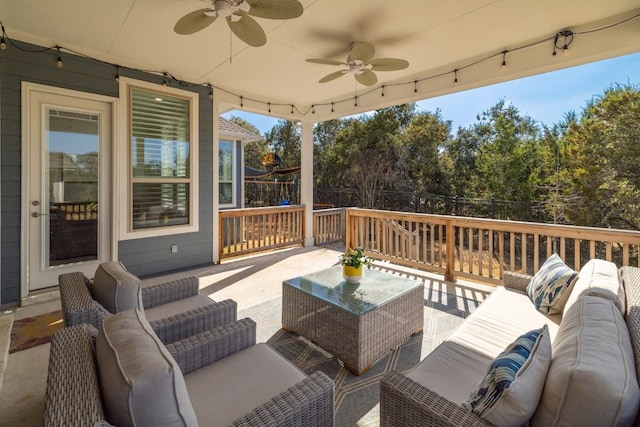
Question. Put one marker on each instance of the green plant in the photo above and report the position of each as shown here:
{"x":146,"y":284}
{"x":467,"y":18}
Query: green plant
{"x":355,"y":257}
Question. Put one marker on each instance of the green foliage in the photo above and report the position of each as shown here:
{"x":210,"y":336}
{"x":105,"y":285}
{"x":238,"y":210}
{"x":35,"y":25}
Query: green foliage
{"x":253,"y":151}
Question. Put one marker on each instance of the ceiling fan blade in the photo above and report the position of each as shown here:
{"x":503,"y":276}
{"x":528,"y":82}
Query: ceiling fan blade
{"x":362,"y":52}
{"x":326,"y":62}
{"x":367,"y":78}
{"x":275,"y":9}
{"x":388,"y":64}
{"x":332,"y":76}
{"x":247,"y":29}
{"x":194,"y":22}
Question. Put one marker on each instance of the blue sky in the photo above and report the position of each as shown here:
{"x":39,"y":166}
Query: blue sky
{"x":545,"y":97}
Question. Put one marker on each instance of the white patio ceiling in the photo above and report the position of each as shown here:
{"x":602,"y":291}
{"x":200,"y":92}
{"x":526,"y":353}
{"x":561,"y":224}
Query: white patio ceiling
{"x":435,"y":36}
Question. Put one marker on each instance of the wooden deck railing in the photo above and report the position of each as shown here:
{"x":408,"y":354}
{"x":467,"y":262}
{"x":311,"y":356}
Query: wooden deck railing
{"x":482,"y":249}
{"x":329,"y":226}
{"x":244,"y":231}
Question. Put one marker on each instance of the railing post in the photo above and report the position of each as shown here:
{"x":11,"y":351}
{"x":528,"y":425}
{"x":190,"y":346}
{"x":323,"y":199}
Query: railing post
{"x":347,"y":237}
{"x":451,"y":258}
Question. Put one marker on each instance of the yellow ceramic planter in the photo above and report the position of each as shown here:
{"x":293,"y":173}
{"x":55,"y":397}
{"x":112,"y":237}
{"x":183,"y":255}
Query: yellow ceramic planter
{"x":351,"y":274}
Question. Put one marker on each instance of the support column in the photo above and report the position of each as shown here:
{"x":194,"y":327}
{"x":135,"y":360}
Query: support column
{"x":306,"y":181}
{"x":215,"y":207}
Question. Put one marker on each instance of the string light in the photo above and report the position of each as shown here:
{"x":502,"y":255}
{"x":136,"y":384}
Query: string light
{"x":561,"y":41}
{"x":3,"y":41}
{"x":210,"y":91}
{"x":59,"y":61}
{"x":117,"y":77}
{"x":567,"y":35}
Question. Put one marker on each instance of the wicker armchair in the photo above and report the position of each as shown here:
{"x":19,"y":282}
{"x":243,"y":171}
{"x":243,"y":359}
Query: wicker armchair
{"x":73,"y":390}
{"x":175,"y":309}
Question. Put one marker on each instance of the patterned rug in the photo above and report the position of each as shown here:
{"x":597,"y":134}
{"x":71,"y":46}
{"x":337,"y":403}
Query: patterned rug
{"x":32,"y":331}
{"x":357,"y":397}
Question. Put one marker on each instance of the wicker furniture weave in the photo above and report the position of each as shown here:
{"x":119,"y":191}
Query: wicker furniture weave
{"x":78,"y":306}
{"x":73,"y":392}
{"x":405,"y":403}
{"x":357,"y":323}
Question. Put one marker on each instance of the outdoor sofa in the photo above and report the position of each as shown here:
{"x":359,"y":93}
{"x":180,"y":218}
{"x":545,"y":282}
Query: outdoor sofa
{"x":124,"y":375}
{"x":581,"y":368}
{"x":174,"y":309}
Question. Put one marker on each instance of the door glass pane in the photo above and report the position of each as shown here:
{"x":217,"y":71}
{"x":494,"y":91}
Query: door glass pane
{"x":71,"y":159}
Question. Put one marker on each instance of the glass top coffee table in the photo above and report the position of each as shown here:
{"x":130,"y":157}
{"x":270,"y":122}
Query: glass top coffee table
{"x":357,"y":323}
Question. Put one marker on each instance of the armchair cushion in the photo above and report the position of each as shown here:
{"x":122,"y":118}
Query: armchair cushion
{"x":115,"y":288}
{"x":175,"y":307}
{"x":140,"y":383}
{"x":551,"y":286}
{"x":251,"y":377}
{"x":509,"y":393}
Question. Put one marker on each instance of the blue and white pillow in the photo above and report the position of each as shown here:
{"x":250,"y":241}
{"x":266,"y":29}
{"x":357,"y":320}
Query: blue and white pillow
{"x":550,"y":287}
{"x":510,"y":391}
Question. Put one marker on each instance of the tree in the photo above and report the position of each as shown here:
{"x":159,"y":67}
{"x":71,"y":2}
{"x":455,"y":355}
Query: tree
{"x":254,"y":150}
{"x":422,"y":143}
{"x":600,"y":180}
{"x":508,"y":160}
{"x":284,"y":140}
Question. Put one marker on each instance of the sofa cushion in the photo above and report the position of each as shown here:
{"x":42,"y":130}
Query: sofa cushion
{"x":140,"y":383}
{"x":551,"y":286}
{"x":245,"y":380}
{"x":592,"y":379}
{"x":458,"y":365}
{"x":509,"y":393}
{"x":600,"y":278}
{"x":115,"y":288}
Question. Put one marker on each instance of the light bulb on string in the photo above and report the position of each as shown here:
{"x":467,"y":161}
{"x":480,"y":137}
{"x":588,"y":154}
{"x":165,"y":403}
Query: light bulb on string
{"x":59,"y":60}
{"x":455,"y":75}
{"x":3,"y":41}
{"x":504,"y":60}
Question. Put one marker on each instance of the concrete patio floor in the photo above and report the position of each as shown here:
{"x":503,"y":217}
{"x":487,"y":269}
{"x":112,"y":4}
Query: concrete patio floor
{"x":249,"y":281}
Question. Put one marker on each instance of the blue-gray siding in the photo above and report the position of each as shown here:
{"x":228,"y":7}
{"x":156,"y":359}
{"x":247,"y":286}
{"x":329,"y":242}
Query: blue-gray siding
{"x":141,"y":256}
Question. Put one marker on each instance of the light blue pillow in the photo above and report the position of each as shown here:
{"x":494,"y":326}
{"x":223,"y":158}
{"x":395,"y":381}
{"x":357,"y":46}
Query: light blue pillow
{"x":510,"y":391}
{"x":550,"y":287}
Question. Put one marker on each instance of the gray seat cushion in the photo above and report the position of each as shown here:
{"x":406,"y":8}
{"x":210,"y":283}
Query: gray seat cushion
{"x":234,"y":386}
{"x":140,"y":383}
{"x":115,"y":288}
{"x":172,"y":308}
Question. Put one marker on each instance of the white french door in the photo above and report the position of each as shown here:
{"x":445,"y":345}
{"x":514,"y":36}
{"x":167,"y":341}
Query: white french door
{"x":66,"y":209}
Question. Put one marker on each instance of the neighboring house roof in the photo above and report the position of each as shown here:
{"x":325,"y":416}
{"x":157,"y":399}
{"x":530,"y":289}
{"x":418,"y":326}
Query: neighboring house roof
{"x":228,"y":128}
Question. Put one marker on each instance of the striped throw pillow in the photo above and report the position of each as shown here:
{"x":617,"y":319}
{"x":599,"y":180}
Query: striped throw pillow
{"x":550,"y":287}
{"x":510,"y":391}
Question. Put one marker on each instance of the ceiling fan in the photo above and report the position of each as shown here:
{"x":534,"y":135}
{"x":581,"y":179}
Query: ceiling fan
{"x":238,"y":15}
{"x":361,"y":65}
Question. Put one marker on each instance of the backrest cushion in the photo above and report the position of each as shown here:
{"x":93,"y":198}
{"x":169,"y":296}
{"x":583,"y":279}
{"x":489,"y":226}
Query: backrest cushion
{"x":599,"y":278}
{"x":592,"y":379}
{"x":509,"y":392}
{"x":140,"y":383}
{"x":115,"y":288}
{"x":551,"y":286}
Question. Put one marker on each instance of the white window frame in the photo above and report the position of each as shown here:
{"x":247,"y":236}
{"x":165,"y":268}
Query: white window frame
{"x":234,"y":175}
{"x":123,"y":179}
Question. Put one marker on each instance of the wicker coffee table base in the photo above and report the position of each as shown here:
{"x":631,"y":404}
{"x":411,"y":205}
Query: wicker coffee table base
{"x":357,"y":340}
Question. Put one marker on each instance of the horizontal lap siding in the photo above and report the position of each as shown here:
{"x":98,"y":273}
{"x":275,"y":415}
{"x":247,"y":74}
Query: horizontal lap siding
{"x":142,"y":256}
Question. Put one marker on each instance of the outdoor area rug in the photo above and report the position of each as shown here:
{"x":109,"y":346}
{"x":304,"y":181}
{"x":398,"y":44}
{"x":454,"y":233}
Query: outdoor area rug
{"x":357,"y":397}
{"x":32,"y":331}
